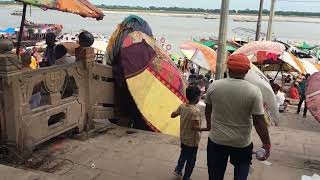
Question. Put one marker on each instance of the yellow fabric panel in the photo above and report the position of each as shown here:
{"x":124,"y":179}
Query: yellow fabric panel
{"x":299,"y":63}
{"x":155,"y":101}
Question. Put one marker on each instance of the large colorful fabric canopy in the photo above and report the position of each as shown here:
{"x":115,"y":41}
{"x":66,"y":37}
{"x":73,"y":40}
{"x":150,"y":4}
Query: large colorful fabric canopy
{"x":313,"y":95}
{"x":130,"y":24}
{"x":82,"y":7}
{"x":199,"y":54}
{"x":148,"y":84}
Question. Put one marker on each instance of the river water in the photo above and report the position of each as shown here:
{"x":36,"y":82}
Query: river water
{"x":175,"y":30}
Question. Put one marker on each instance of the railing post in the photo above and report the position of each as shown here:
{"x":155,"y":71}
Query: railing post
{"x":10,"y":100}
{"x":87,"y":56}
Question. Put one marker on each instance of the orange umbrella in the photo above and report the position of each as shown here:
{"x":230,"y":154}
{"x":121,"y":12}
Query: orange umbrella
{"x":82,"y":7}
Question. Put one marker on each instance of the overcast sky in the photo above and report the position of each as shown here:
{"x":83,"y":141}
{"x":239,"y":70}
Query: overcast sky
{"x":283,"y":5}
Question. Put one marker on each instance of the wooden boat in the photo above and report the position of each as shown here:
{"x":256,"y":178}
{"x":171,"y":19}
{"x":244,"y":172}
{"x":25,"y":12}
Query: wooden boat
{"x":17,"y":13}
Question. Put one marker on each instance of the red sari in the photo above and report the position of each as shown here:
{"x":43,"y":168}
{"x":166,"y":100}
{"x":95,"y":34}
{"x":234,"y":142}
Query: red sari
{"x":294,"y":93}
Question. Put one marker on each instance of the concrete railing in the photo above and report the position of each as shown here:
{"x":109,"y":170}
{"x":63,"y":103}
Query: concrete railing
{"x":36,"y":105}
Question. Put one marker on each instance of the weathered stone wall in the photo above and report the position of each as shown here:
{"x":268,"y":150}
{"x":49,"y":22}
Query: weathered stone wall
{"x":36,"y":105}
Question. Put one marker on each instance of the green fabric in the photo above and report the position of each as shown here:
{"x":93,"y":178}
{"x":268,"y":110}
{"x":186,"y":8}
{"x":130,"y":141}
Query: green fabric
{"x":211,"y":44}
{"x":176,"y":58}
{"x":318,"y":54}
{"x":131,"y":17}
{"x":231,"y":48}
{"x":304,"y":45}
{"x":206,"y":43}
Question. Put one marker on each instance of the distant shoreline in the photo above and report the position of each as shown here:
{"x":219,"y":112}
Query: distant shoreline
{"x":239,"y":17}
{"x":185,"y":14}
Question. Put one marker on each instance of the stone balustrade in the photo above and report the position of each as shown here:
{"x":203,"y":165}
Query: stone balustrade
{"x":37,"y":105}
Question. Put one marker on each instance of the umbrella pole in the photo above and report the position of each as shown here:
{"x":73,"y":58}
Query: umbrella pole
{"x":21,"y":27}
{"x":280,"y":67}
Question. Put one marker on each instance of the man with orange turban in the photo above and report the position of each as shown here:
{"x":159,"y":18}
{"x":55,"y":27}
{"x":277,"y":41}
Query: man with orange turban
{"x":233,"y":106}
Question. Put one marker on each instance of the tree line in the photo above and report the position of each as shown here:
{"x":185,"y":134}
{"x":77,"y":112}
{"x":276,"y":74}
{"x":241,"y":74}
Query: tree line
{"x":213,"y":11}
{"x":198,"y":10}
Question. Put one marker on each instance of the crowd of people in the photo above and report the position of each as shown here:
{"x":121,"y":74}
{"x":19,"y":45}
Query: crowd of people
{"x":233,"y":106}
{"x":291,"y":91}
{"x":53,"y":54}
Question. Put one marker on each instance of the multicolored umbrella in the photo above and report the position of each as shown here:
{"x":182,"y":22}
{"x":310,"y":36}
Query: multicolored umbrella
{"x":254,"y":47}
{"x":208,"y":43}
{"x":293,"y":61}
{"x":266,"y":52}
{"x":309,"y":67}
{"x":211,"y":44}
{"x":313,"y":95}
{"x":300,"y":65}
{"x":82,"y":7}
{"x":148,"y":85}
{"x":199,"y":54}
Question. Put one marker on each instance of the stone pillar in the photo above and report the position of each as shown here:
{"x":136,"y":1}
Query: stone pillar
{"x":87,"y":56}
{"x":10,"y":99}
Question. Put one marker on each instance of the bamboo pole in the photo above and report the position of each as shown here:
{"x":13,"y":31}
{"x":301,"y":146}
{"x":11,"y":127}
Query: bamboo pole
{"x":21,"y":27}
{"x":223,"y":29}
{"x":259,"y":21}
{"x":272,"y":9}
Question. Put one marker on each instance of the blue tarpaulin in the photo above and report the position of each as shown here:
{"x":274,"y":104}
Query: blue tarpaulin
{"x":8,"y":31}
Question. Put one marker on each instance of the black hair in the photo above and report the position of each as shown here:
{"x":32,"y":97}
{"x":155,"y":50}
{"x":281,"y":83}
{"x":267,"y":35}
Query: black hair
{"x":60,"y":51}
{"x":200,"y":77}
{"x":86,"y":39}
{"x":307,"y":75}
{"x":26,"y":59}
{"x":192,"y":93}
{"x":50,"y":38}
{"x":192,"y":71}
{"x":275,"y":87}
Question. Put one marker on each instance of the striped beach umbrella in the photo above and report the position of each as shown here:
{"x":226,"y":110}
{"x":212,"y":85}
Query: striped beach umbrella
{"x":199,"y":54}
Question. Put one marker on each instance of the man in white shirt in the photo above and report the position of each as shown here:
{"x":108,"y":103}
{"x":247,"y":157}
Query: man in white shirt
{"x":233,"y":105}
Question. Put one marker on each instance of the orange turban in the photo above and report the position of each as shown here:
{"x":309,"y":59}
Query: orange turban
{"x":238,"y":63}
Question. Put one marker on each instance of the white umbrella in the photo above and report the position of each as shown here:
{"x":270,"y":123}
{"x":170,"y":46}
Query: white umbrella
{"x":256,"y":77}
